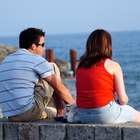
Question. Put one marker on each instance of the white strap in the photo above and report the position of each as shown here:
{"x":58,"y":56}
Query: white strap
{"x":106,"y":62}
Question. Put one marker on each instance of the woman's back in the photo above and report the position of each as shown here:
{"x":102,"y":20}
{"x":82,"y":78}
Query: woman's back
{"x":95,"y":86}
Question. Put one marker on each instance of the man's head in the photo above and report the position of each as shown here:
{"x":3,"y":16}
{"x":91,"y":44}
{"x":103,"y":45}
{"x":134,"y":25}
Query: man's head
{"x":32,"y":39}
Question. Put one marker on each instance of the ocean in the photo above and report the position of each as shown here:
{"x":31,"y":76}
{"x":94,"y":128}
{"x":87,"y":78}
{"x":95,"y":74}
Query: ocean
{"x":126,"y":51}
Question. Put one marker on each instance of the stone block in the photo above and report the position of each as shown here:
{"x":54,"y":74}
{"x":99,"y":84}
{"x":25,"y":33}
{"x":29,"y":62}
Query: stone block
{"x":52,"y":132}
{"x":1,"y":131}
{"x":10,"y":131}
{"x":131,"y":133}
{"x":80,"y":132}
{"x":108,"y":133}
{"x":28,"y":131}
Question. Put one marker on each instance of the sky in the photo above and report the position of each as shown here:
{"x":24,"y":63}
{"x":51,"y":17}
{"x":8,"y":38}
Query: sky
{"x":68,"y":16}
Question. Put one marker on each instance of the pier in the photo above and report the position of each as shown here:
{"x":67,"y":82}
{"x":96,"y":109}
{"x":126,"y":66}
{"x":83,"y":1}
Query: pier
{"x":51,"y":130}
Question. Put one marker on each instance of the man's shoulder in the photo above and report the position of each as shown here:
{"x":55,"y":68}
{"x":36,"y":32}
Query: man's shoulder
{"x":39,"y":58}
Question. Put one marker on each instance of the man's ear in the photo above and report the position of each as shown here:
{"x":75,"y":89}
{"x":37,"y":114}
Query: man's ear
{"x":33,"y":46}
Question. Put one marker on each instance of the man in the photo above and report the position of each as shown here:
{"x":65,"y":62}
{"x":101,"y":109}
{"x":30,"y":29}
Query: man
{"x":28,"y":81}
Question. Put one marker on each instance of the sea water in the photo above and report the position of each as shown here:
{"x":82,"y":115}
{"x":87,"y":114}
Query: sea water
{"x":126,"y":51}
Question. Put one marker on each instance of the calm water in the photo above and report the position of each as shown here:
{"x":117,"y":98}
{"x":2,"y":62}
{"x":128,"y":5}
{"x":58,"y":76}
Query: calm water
{"x":126,"y":50}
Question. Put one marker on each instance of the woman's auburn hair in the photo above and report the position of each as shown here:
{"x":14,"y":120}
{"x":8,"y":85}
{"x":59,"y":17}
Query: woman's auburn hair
{"x":98,"y":47}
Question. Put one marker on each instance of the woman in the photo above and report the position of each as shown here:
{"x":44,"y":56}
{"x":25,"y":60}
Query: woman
{"x":99,"y":80}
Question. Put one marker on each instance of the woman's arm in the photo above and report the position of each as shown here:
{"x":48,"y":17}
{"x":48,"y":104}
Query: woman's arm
{"x":119,"y":84}
{"x":115,"y":69}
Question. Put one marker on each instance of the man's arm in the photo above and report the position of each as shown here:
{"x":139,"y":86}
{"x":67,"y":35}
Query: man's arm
{"x":60,"y":89}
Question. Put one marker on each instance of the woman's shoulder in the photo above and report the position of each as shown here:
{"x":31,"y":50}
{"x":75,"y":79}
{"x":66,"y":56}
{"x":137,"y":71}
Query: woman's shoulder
{"x":112,"y":62}
{"x":112,"y":66}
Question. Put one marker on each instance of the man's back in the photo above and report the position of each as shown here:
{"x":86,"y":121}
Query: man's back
{"x":19,"y":73}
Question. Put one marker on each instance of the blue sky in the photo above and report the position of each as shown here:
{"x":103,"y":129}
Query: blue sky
{"x":68,"y":16}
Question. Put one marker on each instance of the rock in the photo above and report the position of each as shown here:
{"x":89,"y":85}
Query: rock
{"x":6,"y":50}
{"x":64,"y":68}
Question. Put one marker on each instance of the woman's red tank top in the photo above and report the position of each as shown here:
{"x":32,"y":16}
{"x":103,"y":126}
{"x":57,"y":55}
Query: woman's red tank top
{"x":94,"y":86}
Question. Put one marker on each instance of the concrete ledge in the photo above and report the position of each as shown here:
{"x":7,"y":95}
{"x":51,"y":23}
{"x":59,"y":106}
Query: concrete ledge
{"x":50,"y":130}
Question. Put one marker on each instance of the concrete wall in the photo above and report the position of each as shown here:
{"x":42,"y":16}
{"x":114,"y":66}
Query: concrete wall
{"x":45,"y":130}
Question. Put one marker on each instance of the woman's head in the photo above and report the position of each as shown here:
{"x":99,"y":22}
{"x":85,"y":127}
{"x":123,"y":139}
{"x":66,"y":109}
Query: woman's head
{"x":98,"y":46}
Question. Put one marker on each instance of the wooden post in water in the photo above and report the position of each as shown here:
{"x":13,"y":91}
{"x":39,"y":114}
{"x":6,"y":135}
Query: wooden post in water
{"x":50,"y":55}
{"x":73,"y":60}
